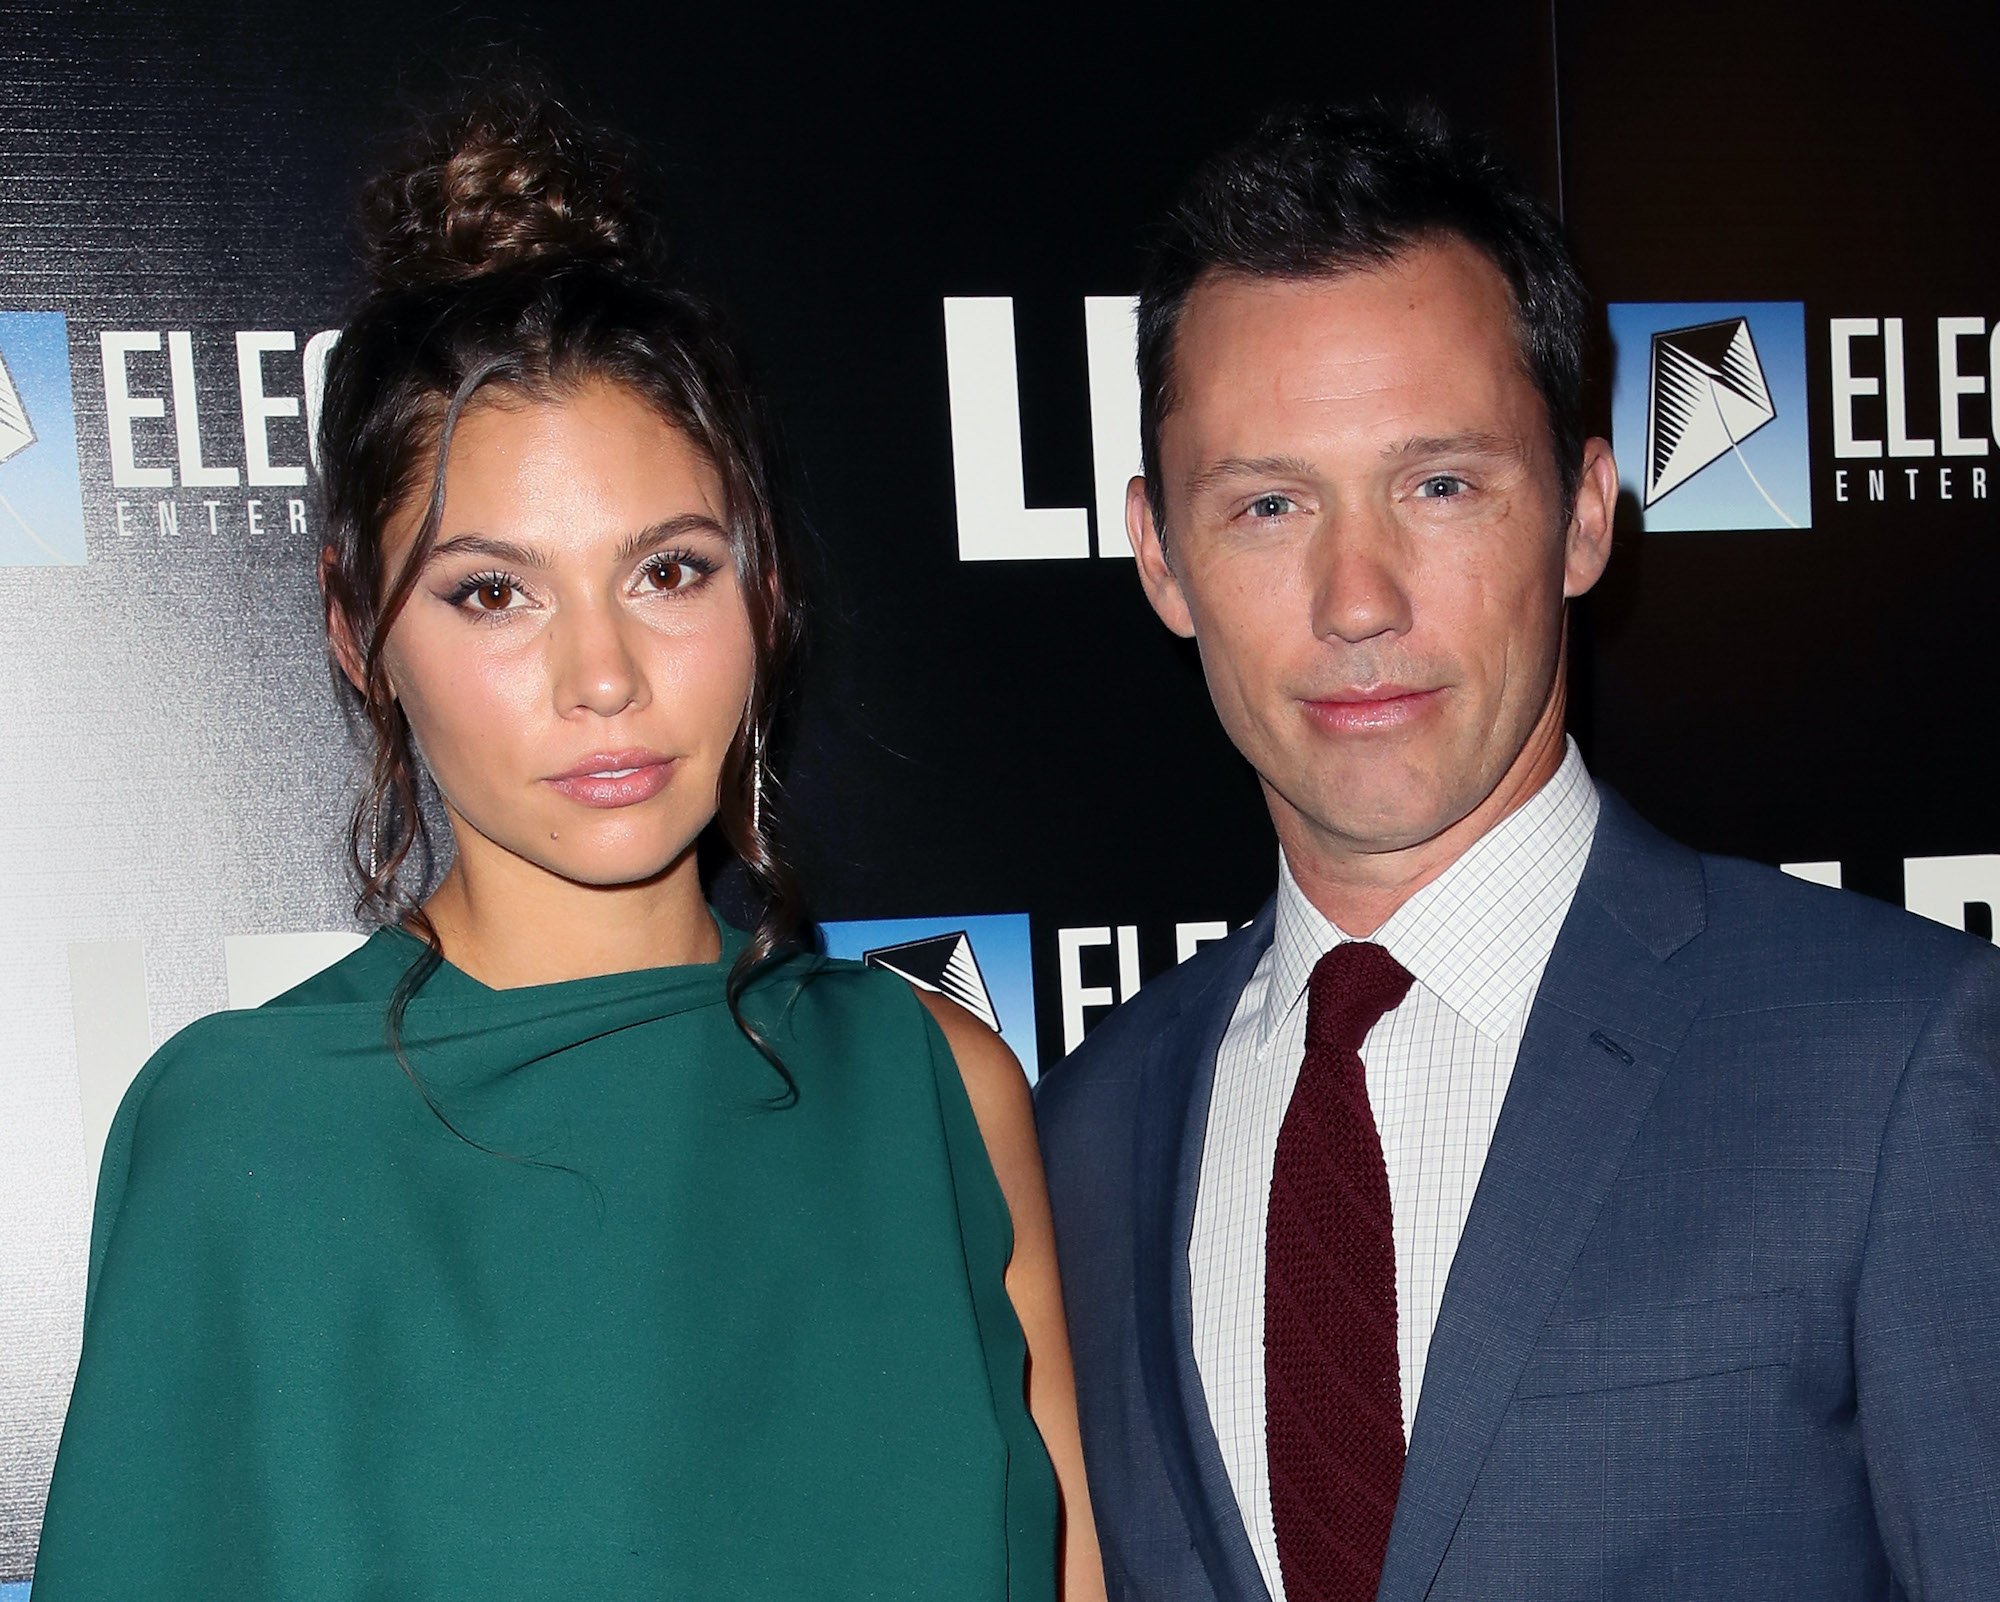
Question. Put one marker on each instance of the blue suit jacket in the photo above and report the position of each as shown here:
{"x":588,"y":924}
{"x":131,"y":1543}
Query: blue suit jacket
{"x":1725,"y":1318}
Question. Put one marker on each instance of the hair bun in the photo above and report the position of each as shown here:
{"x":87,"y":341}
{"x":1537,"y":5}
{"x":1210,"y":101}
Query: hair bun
{"x":510,"y":177}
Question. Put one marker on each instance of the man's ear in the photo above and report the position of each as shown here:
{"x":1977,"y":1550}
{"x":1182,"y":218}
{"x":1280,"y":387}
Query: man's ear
{"x":1163,"y":589}
{"x":339,"y":628}
{"x":1587,"y":544}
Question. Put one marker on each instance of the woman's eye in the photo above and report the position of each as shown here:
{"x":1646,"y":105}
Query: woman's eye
{"x":1270,"y":505}
{"x":1442,"y":487}
{"x":669,"y":573}
{"x":487,"y":594}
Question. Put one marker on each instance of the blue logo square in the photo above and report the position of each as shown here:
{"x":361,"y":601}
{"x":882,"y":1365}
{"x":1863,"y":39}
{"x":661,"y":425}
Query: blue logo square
{"x":983,"y":963}
{"x":41,"y":492}
{"x":1708,"y":413}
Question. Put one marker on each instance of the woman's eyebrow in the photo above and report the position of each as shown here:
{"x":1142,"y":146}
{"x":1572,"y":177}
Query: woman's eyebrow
{"x":482,"y":545}
{"x":672,"y":528}
{"x":645,"y":539}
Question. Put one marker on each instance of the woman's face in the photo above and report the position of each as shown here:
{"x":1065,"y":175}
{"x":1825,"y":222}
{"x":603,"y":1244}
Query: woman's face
{"x":576,"y":655}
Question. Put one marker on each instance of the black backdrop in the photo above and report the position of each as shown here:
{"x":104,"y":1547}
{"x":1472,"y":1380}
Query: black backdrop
{"x":1022,"y":735}
{"x":995,"y":736}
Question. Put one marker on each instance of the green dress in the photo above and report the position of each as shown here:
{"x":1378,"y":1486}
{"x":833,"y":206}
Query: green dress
{"x":662,"y":1338}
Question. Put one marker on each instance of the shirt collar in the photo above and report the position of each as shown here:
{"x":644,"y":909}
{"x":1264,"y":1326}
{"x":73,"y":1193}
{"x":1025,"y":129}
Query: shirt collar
{"x":1478,"y":936}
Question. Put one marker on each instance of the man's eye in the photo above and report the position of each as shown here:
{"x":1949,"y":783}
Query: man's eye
{"x":1442,"y":486}
{"x":1272,"y":505}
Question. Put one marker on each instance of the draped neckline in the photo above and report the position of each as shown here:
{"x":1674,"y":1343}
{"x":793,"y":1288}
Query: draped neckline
{"x":460,"y":1031}
{"x":451,"y":983}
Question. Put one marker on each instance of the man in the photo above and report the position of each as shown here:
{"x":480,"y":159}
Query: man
{"x":1652,"y":1198}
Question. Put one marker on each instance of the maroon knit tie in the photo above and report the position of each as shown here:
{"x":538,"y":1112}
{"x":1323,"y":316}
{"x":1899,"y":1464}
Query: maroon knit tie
{"x":1333,"y":1394}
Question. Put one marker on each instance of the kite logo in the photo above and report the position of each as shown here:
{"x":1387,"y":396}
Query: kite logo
{"x":1706,"y":395}
{"x":982,"y":963}
{"x":944,"y":964}
{"x":41,"y":492}
{"x":1709,"y":414}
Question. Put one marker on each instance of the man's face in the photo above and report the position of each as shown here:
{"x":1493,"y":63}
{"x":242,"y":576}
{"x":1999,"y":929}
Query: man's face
{"x":1364,"y":536}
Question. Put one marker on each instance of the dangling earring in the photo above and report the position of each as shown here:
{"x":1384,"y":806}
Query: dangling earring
{"x":756,"y":779}
{"x":374,"y":841}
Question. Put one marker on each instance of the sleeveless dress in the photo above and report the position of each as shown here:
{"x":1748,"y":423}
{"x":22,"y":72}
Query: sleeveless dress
{"x":636,"y":1330}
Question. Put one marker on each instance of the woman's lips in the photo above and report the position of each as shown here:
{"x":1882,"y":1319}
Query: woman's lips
{"x":616,"y":778}
{"x":1369,"y":711}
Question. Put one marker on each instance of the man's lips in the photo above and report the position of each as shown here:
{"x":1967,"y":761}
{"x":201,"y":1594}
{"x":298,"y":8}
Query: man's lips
{"x":1362,"y":711}
{"x":615,"y":778}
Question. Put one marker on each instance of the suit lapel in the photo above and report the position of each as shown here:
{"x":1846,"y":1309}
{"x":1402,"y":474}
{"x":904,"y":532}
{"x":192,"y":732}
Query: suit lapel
{"x":1606,"y":1024}
{"x":1179,"y":1076}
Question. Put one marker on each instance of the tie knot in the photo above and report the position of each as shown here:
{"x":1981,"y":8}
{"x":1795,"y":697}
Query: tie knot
{"x":1351,"y":987}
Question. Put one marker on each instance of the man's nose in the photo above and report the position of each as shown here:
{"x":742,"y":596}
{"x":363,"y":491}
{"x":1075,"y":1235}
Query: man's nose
{"x":595,"y":667}
{"x":1358,"y":574}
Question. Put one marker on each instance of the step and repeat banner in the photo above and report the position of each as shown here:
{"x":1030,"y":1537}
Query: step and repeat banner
{"x":1008,"y":784}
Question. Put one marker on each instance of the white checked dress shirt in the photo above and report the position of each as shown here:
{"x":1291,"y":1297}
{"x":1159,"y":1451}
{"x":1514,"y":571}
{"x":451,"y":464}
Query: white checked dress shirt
{"x":1475,"y":941}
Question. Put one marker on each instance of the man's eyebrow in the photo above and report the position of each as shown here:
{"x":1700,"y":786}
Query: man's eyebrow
{"x":1473,"y":442}
{"x":1235,"y":467}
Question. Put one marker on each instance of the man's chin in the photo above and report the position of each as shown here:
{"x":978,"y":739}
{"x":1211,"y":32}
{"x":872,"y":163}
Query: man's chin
{"x":1382,"y":826}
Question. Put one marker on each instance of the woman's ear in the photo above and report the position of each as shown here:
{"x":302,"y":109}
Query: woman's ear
{"x":339,"y":627}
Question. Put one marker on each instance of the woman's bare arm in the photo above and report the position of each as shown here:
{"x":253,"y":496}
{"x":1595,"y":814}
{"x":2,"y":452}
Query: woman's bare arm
{"x":998,"y":1091}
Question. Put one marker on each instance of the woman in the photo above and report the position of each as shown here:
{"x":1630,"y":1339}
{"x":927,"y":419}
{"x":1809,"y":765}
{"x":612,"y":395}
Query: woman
{"x":563,"y":1241}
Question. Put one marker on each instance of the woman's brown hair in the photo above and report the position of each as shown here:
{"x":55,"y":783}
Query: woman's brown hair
{"x":507,"y":248}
